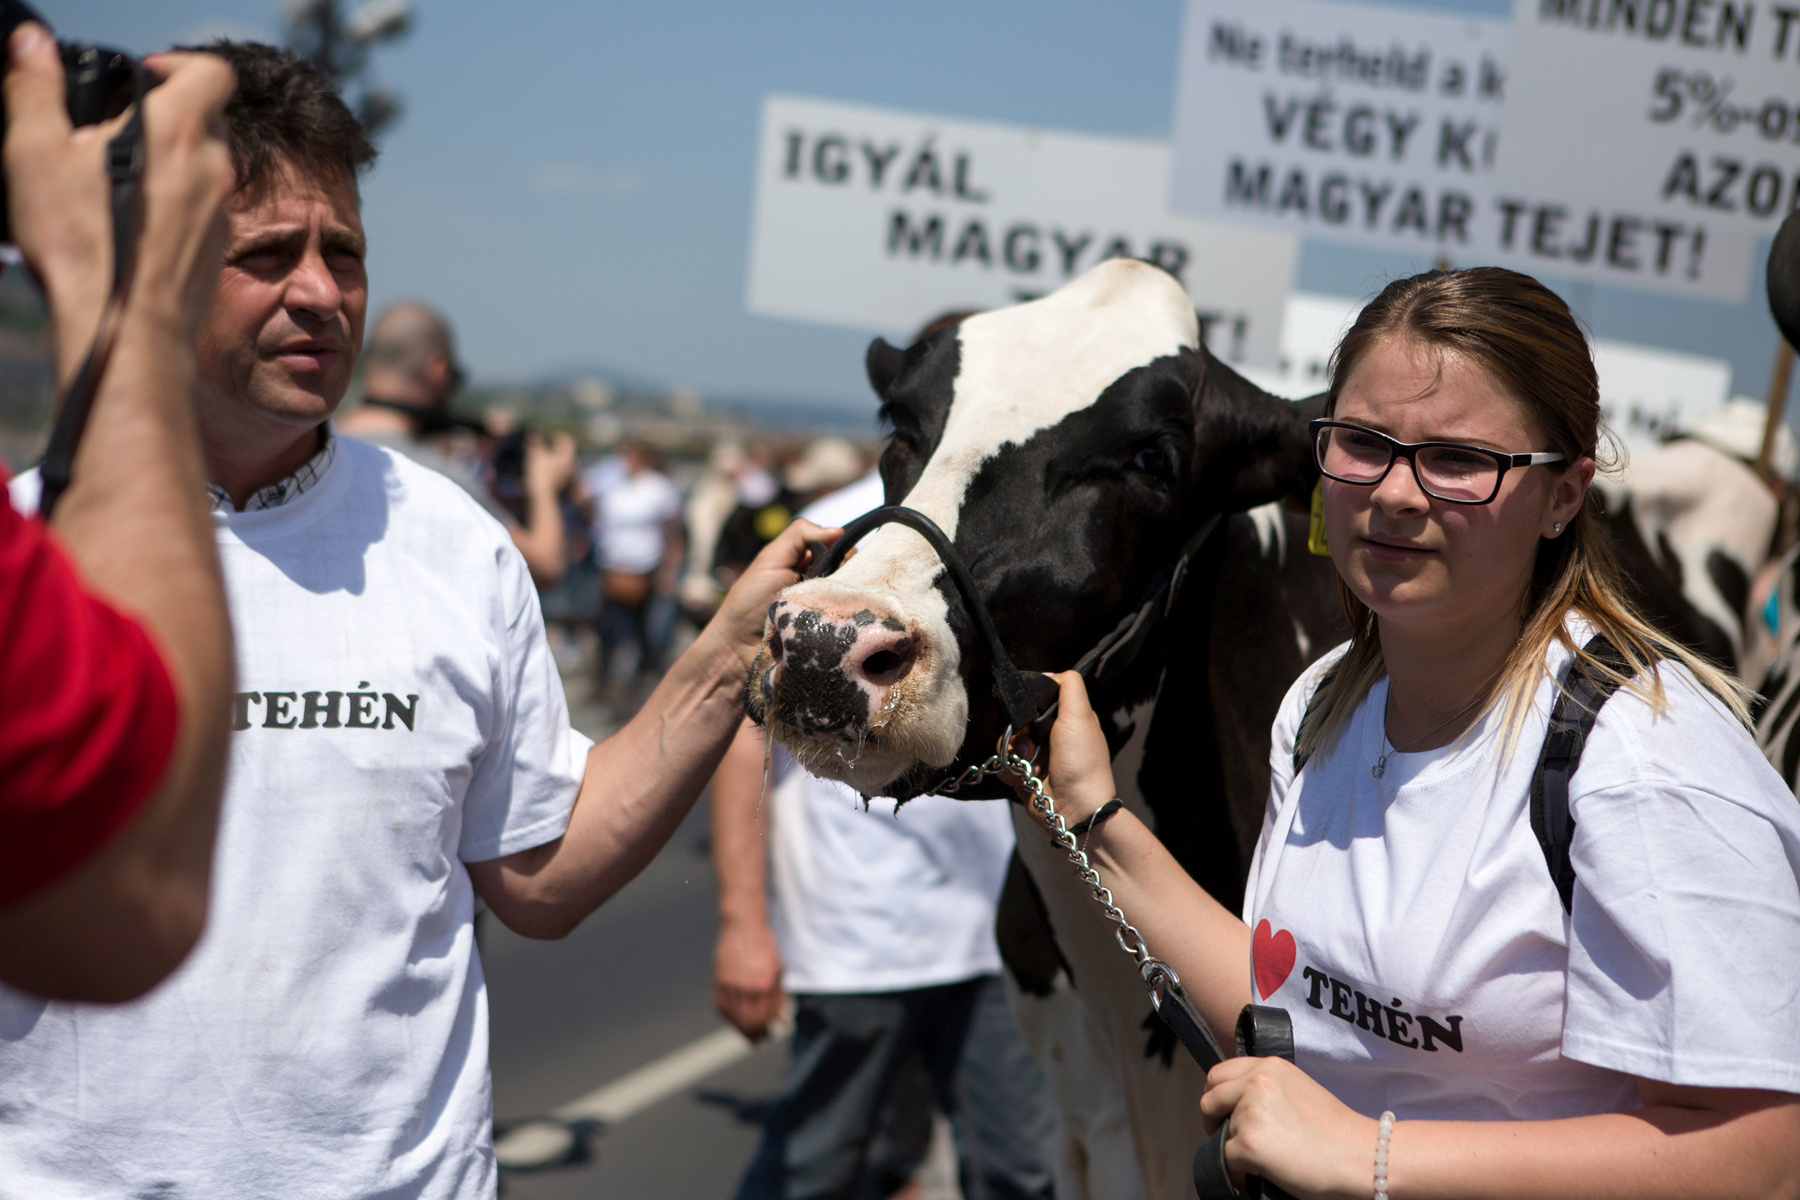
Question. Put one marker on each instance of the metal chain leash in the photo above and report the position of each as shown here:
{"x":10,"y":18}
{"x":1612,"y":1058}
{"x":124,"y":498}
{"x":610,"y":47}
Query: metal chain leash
{"x":1260,"y":1031}
{"x":1156,"y":973}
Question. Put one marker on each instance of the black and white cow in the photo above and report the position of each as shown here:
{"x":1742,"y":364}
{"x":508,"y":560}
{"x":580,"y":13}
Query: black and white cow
{"x":1691,"y":526}
{"x":1069,"y":447}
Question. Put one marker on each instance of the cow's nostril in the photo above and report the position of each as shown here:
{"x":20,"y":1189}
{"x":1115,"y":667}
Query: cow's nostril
{"x":775,"y":647}
{"x":887,"y":665}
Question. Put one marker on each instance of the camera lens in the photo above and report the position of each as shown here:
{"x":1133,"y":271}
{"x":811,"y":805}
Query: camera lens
{"x":99,"y":83}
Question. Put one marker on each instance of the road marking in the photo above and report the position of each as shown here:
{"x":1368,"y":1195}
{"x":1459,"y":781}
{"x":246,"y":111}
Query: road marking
{"x":535,"y":1143}
{"x":655,"y":1082}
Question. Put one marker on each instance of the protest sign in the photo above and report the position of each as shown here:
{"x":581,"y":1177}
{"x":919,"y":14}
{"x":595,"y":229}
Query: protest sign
{"x":1382,"y":126}
{"x":1646,"y":393}
{"x":883,"y":220}
{"x":1687,"y":110}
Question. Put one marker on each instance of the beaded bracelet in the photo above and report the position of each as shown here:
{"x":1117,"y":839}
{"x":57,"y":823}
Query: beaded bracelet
{"x":1383,"y":1132}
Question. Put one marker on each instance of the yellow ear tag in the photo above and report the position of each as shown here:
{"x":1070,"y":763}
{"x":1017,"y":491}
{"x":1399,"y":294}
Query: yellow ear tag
{"x":1315,"y":531}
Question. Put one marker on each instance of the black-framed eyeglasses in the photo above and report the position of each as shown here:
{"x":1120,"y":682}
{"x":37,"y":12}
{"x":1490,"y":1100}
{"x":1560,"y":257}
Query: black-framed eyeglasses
{"x":1449,"y":471}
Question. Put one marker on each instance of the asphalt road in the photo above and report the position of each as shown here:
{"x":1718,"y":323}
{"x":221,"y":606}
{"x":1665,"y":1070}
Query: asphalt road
{"x":631,"y":985}
{"x":628,"y":989}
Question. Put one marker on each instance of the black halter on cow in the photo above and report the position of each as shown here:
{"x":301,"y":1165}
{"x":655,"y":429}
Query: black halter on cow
{"x":1071,"y":450}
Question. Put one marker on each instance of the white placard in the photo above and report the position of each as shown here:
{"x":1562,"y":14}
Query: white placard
{"x":1646,"y":394}
{"x":1687,"y":110}
{"x":884,"y":220}
{"x":1382,"y":125}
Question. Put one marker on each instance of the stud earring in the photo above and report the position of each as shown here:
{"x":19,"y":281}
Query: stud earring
{"x":1556,"y":528}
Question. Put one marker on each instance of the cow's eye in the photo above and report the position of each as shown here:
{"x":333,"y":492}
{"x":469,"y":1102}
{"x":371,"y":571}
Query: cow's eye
{"x":1152,"y":461}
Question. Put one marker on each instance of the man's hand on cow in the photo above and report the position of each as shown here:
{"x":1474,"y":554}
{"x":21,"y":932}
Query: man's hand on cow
{"x":1081,"y":777}
{"x":745,"y":609}
{"x":747,"y":977}
{"x":1287,"y":1128}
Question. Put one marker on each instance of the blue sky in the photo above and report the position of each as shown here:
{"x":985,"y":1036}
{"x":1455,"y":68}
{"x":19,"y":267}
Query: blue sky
{"x":572,"y":180}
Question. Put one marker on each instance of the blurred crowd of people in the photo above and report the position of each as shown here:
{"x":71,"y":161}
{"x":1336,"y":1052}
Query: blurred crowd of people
{"x":623,"y":549}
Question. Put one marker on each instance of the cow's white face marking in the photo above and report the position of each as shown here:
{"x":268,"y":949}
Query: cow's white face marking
{"x":1271,"y":530}
{"x":1021,"y":370}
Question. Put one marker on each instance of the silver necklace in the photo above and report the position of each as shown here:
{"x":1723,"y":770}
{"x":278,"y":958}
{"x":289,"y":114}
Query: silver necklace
{"x":1380,"y":767}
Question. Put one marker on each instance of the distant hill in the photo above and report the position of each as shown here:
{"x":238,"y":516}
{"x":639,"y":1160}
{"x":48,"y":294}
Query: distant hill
{"x":853,"y":420}
{"x":598,"y":407}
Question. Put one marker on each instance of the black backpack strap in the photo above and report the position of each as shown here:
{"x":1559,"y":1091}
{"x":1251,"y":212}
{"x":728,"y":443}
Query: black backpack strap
{"x":1312,"y":705}
{"x":1579,"y":698}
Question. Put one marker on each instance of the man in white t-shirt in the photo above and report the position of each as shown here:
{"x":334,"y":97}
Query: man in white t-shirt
{"x":638,"y":541}
{"x":401,"y":743}
{"x":879,"y":921}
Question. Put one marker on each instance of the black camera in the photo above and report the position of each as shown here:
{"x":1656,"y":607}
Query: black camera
{"x":101,"y":83}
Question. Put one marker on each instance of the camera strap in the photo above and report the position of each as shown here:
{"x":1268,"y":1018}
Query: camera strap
{"x":124,"y":172}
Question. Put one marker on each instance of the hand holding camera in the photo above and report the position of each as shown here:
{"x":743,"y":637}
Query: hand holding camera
{"x":59,"y":129}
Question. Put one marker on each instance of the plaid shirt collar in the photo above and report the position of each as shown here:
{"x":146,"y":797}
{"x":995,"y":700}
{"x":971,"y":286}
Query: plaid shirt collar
{"x":282,"y":491}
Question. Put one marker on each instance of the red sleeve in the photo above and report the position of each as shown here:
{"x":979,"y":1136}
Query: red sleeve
{"x":87,"y":713}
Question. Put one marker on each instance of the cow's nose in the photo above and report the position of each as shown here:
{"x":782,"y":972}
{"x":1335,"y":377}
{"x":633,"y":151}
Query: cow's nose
{"x":831,"y":671}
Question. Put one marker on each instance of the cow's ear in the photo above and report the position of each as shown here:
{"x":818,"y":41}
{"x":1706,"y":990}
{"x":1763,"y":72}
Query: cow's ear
{"x":1260,"y":449}
{"x":1784,"y":278}
{"x":883,"y":363}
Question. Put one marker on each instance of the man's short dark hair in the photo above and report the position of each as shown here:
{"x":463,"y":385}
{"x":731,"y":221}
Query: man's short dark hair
{"x":287,"y":113}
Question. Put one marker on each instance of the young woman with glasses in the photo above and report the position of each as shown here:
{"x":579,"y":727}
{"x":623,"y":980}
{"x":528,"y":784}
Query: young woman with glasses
{"x":1645,"y":1041}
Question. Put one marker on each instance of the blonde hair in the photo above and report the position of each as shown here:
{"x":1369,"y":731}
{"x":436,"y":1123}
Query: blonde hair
{"x":1523,"y":335}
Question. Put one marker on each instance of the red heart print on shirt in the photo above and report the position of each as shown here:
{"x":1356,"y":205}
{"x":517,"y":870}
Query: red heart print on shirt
{"x":1272,"y":955}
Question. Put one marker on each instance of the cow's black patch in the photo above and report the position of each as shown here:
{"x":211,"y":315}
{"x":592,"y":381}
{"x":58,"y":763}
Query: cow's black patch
{"x":816,"y":696}
{"x":861,"y":617}
{"x":1728,"y":575}
{"x":1654,"y":580}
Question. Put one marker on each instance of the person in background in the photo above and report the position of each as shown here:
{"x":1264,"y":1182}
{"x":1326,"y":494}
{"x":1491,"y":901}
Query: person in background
{"x":879,"y":921}
{"x":765,"y":507}
{"x":824,"y":466}
{"x":410,"y":374}
{"x":762,"y":503}
{"x":115,"y":649}
{"x":569,"y":606}
{"x":710,"y":502}
{"x":639,"y":542}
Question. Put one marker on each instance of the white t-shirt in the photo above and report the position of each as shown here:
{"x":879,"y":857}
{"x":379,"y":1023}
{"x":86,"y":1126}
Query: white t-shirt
{"x":456,"y":472}
{"x":633,"y":509}
{"x":400,"y":716}
{"x":883,"y":900}
{"x":1410,"y":926}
